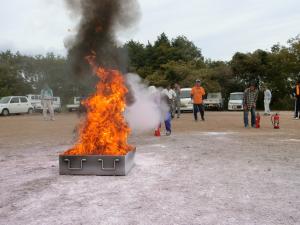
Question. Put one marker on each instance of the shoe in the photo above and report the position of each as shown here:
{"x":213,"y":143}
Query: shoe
{"x":296,"y":118}
{"x":246,"y":126}
{"x":168,"y":133}
{"x":203,"y":119}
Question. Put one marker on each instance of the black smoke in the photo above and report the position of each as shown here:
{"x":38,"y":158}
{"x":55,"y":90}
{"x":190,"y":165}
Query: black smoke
{"x":99,"y":22}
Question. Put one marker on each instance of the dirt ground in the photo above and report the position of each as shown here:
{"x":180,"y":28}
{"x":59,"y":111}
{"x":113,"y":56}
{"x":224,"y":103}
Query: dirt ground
{"x":212,"y":172}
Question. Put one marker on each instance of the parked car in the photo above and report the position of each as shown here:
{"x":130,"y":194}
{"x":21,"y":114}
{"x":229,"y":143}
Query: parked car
{"x":75,"y":105}
{"x":186,"y":103}
{"x":236,"y":101}
{"x":214,"y":101}
{"x":34,"y":99}
{"x":15,"y":105}
{"x":36,"y":102}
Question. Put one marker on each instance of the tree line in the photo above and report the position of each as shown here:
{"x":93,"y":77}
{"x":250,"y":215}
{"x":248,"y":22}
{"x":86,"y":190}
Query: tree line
{"x":161,"y":63}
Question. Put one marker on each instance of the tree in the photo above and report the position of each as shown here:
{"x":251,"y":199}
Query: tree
{"x":160,"y":63}
{"x":185,"y":50}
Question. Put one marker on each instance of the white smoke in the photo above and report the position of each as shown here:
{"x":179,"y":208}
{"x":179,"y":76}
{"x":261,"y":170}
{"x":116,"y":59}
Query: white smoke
{"x":146,"y":112}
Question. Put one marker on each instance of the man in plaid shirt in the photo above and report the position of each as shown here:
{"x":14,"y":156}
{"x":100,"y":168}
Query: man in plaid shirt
{"x":249,"y":103}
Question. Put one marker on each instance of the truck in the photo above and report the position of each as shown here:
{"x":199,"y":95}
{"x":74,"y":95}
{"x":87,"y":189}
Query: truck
{"x":75,"y":105}
{"x":214,"y":101}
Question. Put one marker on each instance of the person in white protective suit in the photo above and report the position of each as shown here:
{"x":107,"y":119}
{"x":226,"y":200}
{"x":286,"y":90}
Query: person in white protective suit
{"x":267,"y":100}
{"x":47,"y":102}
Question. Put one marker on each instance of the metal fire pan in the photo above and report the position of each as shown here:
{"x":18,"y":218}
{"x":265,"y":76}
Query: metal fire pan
{"x":100,"y":165}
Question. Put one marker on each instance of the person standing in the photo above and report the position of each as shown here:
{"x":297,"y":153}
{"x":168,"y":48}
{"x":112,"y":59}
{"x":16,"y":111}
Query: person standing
{"x":197,"y":94}
{"x":267,"y":100}
{"x":47,"y":102}
{"x":296,"y":94}
{"x":156,"y":96}
{"x":177,"y":99}
{"x":166,"y":100}
{"x":172,"y":97}
{"x":249,"y":103}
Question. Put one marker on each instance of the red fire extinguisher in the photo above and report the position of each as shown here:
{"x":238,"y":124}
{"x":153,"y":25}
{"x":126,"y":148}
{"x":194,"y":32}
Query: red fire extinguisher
{"x":157,"y":131}
{"x":275,"y":120}
{"x":257,"y":121}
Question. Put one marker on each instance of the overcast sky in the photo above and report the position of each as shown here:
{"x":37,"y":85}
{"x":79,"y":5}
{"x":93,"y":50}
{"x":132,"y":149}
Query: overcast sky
{"x":219,"y":27}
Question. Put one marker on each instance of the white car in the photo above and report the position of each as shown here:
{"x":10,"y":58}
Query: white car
{"x":15,"y":105}
{"x":186,"y":103}
{"x":236,"y":101}
{"x":214,"y":101}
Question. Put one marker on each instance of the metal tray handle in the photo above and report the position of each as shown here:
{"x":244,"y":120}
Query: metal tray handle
{"x":108,"y":168}
{"x":69,"y":164}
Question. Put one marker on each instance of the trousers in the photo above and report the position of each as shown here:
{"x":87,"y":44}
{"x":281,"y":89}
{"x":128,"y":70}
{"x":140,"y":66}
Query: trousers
{"x":47,"y":105}
{"x":198,"y":108}
{"x":253,"y":117}
{"x":267,"y":106}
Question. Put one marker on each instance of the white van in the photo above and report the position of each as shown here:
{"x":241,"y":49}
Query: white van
{"x":236,"y":101}
{"x":36,"y":102}
{"x":34,"y":99}
{"x":75,"y":105}
{"x":15,"y":105}
{"x":186,"y":103}
{"x":214,"y":101}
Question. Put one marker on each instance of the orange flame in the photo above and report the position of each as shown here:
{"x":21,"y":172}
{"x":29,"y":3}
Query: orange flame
{"x":105,"y":130}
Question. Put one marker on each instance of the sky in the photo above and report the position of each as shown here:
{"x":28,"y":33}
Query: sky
{"x":218,"y":27}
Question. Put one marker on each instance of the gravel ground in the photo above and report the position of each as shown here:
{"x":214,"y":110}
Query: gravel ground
{"x":212,"y":172}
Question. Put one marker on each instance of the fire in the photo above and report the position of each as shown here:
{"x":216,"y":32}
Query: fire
{"x":105,"y":130}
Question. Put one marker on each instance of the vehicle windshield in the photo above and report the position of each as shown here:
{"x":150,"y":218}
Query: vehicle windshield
{"x":185,"y":94}
{"x":4,"y":100}
{"x":213,"y":95}
{"x":236,"y":96}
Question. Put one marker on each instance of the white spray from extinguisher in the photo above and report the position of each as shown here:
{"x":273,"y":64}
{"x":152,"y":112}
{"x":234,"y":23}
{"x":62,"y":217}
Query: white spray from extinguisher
{"x":145,"y":114}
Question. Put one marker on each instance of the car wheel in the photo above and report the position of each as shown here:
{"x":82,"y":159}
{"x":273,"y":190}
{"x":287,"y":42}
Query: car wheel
{"x":5,"y":112}
{"x":30,"y":111}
